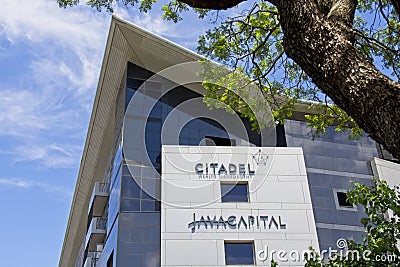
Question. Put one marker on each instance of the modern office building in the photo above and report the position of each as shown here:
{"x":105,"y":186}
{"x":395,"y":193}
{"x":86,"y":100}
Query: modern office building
{"x":162,"y":182}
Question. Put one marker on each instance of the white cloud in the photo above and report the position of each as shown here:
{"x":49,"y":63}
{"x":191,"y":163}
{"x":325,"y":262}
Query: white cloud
{"x":48,"y":107}
{"x":47,"y":126}
{"x":40,"y":19}
{"x":56,"y":36}
{"x":51,"y":102}
{"x":49,"y":155}
{"x":184,"y":32}
{"x":25,"y":112}
{"x":27,"y":184}
{"x":45,"y":155}
{"x":154,"y":23}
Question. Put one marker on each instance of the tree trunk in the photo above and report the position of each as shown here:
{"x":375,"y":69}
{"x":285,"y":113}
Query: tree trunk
{"x":326,"y":54}
{"x":321,"y":44}
{"x":396,"y":6}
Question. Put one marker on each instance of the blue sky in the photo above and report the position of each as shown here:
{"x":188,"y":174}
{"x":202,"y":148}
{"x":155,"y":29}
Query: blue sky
{"x":49,"y":61}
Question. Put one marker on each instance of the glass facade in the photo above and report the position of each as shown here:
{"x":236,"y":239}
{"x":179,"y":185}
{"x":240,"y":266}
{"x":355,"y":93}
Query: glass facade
{"x":133,"y":206}
{"x":115,"y":187}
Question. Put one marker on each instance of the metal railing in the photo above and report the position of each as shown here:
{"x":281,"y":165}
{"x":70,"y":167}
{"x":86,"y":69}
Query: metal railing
{"x":104,"y":187}
{"x":101,"y":223}
{"x":94,"y":257}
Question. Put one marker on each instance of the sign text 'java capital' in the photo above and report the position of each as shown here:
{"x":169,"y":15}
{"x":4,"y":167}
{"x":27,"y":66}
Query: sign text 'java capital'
{"x":237,"y":222}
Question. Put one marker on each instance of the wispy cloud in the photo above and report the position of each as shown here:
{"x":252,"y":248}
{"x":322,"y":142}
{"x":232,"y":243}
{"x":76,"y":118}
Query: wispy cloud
{"x":40,"y":19}
{"x":68,"y":43}
{"x":184,"y":32}
{"x":24,"y":112}
{"x":49,"y":155}
{"x":29,"y":184}
{"x":48,"y":107}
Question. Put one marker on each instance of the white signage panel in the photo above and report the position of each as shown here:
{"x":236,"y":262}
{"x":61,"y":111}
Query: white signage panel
{"x":196,"y":220}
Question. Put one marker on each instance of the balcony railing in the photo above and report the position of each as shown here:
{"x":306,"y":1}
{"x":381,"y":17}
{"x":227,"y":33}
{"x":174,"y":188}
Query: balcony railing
{"x":104,"y":187}
{"x":101,"y":223}
{"x":98,"y":199}
{"x":96,"y":233}
{"x":92,"y":259}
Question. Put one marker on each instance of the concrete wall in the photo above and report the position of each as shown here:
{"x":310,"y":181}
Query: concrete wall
{"x":387,"y":171}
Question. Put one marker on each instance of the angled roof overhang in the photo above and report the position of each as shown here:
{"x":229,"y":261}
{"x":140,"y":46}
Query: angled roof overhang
{"x":126,"y":42}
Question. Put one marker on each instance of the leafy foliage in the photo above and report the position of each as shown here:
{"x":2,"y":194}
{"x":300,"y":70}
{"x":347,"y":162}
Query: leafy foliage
{"x":377,"y":30}
{"x":382,"y":206}
{"x":144,"y":5}
{"x":382,"y":228}
{"x":327,"y":115}
{"x":251,"y":42}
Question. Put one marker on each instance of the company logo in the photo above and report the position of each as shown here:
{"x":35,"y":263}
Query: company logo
{"x":260,"y":159}
{"x":215,"y":170}
{"x":236,"y":222}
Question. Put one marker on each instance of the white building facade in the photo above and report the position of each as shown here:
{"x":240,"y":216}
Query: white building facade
{"x":216,"y":202}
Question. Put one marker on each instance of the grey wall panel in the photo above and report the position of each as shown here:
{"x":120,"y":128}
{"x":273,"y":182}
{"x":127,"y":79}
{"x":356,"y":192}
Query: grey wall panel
{"x":333,"y":162}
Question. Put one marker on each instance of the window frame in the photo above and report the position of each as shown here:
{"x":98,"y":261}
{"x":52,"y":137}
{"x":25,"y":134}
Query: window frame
{"x":336,"y":197}
{"x":254,"y":260}
{"x":234,"y":184}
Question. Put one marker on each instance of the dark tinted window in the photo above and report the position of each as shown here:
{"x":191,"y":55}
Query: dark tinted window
{"x":239,"y":253}
{"x":384,"y":154}
{"x":234,"y":192}
{"x":280,"y":136}
{"x":219,"y":141}
{"x":110,"y":260}
{"x":342,"y":200}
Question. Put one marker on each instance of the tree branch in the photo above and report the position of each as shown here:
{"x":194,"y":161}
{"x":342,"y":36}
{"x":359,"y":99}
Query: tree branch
{"x":218,"y":5}
{"x":212,"y":4}
{"x":343,"y":11}
{"x":320,"y":41}
{"x":348,"y":77}
{"x":396,"y":5}
{"x":374,"y":41}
